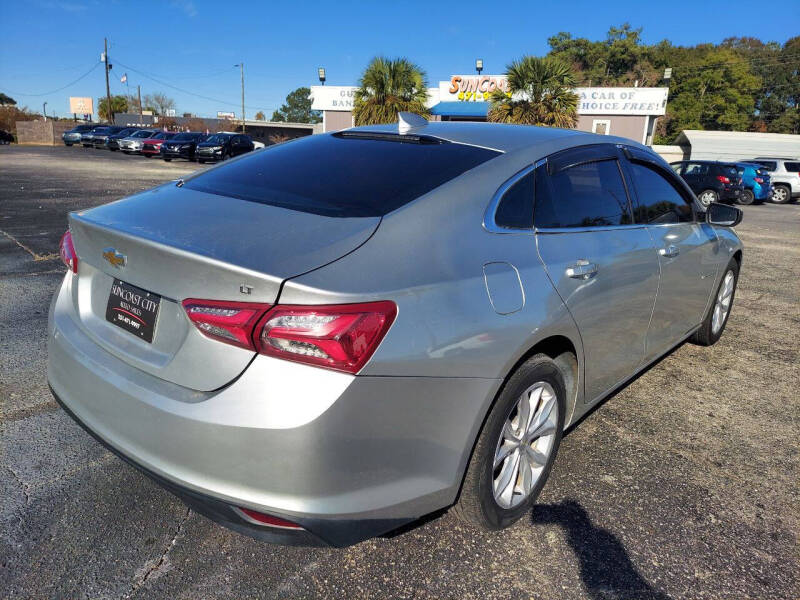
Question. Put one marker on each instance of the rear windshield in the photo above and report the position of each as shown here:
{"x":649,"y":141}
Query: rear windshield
{"x":142,"y":134}
{"x":768,"y":164}
{"x":343,"y":176}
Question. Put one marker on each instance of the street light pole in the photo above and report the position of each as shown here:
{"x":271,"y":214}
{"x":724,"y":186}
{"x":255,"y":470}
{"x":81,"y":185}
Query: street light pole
{"x":241,"y":66}
{"x":139,"y":93}
{"x":44,"y":111}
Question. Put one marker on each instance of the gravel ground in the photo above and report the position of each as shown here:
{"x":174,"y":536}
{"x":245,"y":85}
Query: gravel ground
{"x":683,"y":485}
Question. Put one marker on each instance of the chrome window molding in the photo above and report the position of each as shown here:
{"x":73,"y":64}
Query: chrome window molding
{"x":548,"y":230}
{"x":489,"y":223}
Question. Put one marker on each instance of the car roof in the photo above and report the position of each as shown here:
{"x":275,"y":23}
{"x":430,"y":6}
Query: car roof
{"x":774,"y":158}
{"x":499,"y":136}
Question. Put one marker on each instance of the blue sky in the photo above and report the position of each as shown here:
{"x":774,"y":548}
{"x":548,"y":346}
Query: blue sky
{"x":193,"y":44}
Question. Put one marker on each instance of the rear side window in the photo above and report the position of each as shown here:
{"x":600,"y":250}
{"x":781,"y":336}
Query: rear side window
{"x":342,"y":176}
{"x":586,"y":195}
{"x":696,"y":169}
{"x":792,"y":167}
{"x":515,"y":209}
{"x":659,"y":200}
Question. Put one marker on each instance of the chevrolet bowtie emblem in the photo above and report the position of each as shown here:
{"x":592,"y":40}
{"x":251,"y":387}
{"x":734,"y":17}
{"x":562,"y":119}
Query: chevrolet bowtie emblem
{"x":114,"y":258}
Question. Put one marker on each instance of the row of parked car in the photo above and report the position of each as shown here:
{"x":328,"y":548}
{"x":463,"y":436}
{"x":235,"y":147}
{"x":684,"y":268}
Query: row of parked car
{"x":168,"y":145}
{"x":763,"y":178}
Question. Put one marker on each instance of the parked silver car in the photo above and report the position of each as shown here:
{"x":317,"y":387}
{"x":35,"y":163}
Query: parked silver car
{"x":328,"y":339}
{"x":785,"y":174}
{"x":133,"y":143}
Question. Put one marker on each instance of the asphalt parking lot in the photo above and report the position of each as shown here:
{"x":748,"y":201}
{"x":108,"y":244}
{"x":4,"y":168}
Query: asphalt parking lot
{"x":683,"y":485}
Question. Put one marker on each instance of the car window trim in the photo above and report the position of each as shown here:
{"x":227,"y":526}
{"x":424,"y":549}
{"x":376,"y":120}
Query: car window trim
{"x":489,"y":223}
{"x":614,"y":154}
{"x":671,"y":176}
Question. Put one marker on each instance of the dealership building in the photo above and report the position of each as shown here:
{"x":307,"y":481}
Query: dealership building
{"x":629,"y":112}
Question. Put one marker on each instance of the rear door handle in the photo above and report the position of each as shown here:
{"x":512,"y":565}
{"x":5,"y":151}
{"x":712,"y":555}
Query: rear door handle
{"x":582,"y":269}
{"x":669,"y":252}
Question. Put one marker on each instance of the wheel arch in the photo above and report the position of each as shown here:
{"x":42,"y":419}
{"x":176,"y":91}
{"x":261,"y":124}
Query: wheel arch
{"x":564,"y":352}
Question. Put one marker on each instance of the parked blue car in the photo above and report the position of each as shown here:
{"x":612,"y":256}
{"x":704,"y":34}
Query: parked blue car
{"x":756,"y":182}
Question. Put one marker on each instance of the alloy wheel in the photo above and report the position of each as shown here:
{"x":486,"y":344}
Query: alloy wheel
{"x":525,"y":444}
{"x":723,"y":304}
{"x":706,"y":198}
{"x":779,"y":195}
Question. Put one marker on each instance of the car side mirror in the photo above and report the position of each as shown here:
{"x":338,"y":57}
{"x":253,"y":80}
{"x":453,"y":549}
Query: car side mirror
{"x":723,"y":215}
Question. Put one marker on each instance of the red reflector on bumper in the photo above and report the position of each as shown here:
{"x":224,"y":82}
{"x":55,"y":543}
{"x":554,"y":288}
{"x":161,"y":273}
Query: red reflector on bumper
{"x":258,"y":518}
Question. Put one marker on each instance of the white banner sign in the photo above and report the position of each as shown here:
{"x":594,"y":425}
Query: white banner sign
{"x":621,"y":101}
{"x":332,"y":97}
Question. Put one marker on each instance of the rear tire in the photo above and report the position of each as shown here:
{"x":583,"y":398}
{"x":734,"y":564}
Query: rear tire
{"x":201,"y":161}
{"x":719,"y":312}
{"x":747,"y":197}
{"x":147,"y":155}
{"x":782,"y":194}
{"x":167,"y":160}
{"x":706,"y":197}
{"x":485,"y":501}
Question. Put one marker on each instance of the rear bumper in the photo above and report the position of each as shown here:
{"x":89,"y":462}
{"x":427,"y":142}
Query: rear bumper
{"x":345,"y":457}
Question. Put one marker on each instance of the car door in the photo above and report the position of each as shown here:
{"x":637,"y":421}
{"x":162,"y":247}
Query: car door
{"x":602,"y":264}
{"x":236,"y":145}
{"x":687,"y":250}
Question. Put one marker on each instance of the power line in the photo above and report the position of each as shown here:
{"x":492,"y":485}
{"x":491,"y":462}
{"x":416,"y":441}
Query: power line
{"x":59,"y":89}
{"x":184,"y":91}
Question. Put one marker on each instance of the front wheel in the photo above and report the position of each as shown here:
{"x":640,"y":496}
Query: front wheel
{"x":747,"y":197}
{"x":706,"y":197}
{"x":148,"y":155}
{"x":167,"y":160}
{"x":717,"y":318}
{"x":781,"y":194}
{"x":516,"y":448}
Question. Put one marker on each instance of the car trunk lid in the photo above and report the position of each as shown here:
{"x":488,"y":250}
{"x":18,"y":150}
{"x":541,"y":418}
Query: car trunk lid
{"x":176,"y":244}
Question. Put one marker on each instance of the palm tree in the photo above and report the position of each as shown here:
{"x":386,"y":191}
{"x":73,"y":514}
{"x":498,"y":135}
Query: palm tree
{"x":539,"y":93}
{"x":389,"y":86}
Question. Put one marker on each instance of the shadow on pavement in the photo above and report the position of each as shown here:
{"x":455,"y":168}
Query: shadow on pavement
{"x":606,"y":570}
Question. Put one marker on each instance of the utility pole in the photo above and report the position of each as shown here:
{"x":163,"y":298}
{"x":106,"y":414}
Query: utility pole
{"x":241,"y":66}
{"x":141,"y":114}
{"x":108,"y":87}
{"x":44,"y":111}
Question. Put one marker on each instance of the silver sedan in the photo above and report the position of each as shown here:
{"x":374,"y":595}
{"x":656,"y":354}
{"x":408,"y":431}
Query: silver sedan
{"x":328,"y":339}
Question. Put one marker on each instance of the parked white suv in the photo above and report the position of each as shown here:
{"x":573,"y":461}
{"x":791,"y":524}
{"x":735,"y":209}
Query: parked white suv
{"x":785,"y":174}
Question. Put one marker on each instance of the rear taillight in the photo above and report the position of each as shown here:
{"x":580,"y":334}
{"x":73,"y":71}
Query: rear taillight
{"x":723,"y":179}
{"x":341,"y":337}
{"x":758,"y":180}
{"x":229,"y":322}
{"x":259,"y":518}
{"x":336,"y":336}
{"x":67,"y":251}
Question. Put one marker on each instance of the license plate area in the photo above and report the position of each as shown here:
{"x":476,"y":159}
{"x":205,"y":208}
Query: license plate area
{"x":133,"y":309}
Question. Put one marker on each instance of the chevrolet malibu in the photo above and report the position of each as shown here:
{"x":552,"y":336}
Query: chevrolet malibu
{"x":329,"y":339}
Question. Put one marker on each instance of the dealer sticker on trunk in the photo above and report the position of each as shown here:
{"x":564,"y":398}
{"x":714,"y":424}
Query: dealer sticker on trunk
{"x":133,"y":309}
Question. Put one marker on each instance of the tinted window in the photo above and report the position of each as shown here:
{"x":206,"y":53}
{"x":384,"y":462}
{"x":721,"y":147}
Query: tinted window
{"x":793,"y":167}
{"x":659,"y":201}
{"x":591,"y":194}
{"x":142,"y":134}
{"x":770,"y":165}
{"x":341,"y":176}
{"x":186,"y":137}
{"x":515,"y":210}
{"x":727,"y":170}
